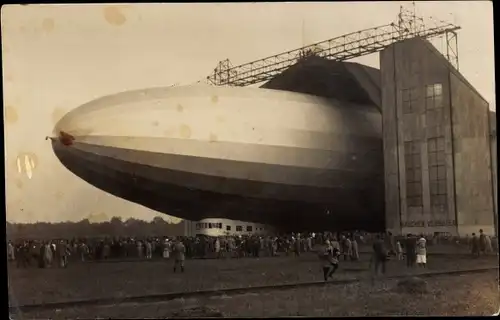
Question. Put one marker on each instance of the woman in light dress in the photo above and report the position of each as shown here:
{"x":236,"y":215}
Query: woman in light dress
{"x":355,"y":250}
{"x":149,"y":249}
{"x":421,"y":252}
{"x":11,"y":251}
{"x":47,"y":254}
{"x":399,"y":250}
{"x":166,"y":249}
{"x":217,"y":247}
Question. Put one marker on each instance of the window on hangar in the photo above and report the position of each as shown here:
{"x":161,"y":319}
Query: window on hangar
{"x":433,"y":96}
{"x":410,"y":99}
{"x":437,"y":173}
{"x":413,"y":166}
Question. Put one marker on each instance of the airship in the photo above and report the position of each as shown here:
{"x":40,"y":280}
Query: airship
{"x":287,"y":159}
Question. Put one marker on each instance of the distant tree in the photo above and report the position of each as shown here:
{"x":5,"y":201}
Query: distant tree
{"x":130,"y":221}
{"x":158,"y":220}
{"x":86,"y":229}
{"x":116,"y":221}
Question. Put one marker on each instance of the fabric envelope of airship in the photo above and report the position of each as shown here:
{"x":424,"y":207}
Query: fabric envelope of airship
{"x":248,"y":154}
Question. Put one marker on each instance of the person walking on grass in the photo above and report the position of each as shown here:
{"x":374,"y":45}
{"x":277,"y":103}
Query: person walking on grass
{"x":330,"y":259}
{"x":324,"y":256}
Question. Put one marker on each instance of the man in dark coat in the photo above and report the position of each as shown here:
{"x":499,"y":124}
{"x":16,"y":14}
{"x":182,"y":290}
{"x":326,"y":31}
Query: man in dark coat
{"x":411,"y":250}
{"x":179,"y":255}
{"x":41,"y":255}
{"x":482,"y":242}
{"x":379,"y":256}
{"x":475,"y":245}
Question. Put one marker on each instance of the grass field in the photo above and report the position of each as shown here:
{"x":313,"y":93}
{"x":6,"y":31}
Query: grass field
{"x":467,"y":295}
{"x":95,"y":280}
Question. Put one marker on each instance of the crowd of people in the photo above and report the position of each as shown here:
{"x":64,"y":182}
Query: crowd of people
{"x":58,"y":253}
{"x":411,"y":248}
{"x":44,"y":253}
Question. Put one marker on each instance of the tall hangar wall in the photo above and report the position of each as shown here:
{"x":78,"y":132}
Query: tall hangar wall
{"x":493,"y":134}
{"x":437,"y":148}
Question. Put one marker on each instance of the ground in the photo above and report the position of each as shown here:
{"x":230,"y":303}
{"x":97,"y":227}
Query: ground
{"x":477,"y":294}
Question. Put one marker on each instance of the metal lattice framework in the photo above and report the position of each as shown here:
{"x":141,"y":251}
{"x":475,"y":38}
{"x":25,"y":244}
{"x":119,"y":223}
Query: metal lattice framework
{"x":341,"y":48}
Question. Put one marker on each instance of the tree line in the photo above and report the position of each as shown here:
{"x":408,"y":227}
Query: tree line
{"x":116,"y":227}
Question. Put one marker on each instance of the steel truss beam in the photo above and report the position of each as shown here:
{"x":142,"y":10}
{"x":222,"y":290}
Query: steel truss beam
{"x":341,"y":48}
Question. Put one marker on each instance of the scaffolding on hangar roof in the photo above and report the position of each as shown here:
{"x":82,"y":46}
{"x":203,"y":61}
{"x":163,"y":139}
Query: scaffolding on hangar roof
{"x":345,"y":47}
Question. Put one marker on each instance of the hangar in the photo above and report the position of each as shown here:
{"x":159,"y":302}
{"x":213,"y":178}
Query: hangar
{"x":439,"y":134}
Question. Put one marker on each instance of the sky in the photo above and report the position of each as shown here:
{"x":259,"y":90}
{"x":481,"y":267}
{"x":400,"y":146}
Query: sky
{"x":58,"y":57}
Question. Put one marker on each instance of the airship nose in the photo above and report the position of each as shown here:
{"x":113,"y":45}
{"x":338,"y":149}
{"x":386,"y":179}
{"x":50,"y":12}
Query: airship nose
{"x":65,"y":138}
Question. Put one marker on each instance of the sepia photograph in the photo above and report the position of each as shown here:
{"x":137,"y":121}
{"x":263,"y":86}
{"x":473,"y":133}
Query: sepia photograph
{"x":195,"y":160}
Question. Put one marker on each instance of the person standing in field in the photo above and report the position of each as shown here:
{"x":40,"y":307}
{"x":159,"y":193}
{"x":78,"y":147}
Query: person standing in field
{"x":11,"y":255}
{"x":84,"y":251}
{"x":140,"y":247}
{"x":149,"y":249}
{"x":41,"y":255}
{"x":62,"y":253}
{"x":482,"y":242}
{"x":347,"y":248}
{"x":47,"y":254}
{"x":335,"y":244}
{"x":179,"y":255}
{"x":410,"y":247}
{"x":166,"y":249}
{"x":379,"y":256}
{"x":217,"y":247}
{"x":274,"y":247}
{"x":399,"y":250}
{"x":421,"y":252}
{"x":296,"y":245}
{"x":475,"y":245}
{"x":355,"y":250}
{"x":489,"y":248}
{"x":106,"y":250}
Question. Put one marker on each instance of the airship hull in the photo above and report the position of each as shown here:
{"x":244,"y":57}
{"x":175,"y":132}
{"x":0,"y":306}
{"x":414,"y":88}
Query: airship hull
{"x":248,"y":154}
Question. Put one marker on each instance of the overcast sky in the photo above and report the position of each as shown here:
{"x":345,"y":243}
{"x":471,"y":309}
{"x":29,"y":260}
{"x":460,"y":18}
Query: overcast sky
{"x":58,"y":57}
